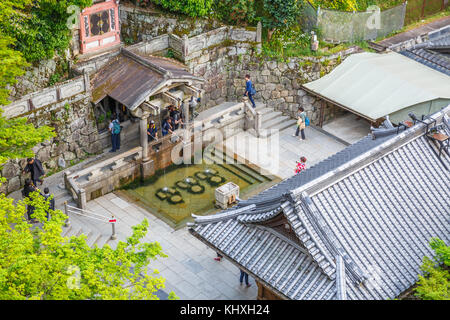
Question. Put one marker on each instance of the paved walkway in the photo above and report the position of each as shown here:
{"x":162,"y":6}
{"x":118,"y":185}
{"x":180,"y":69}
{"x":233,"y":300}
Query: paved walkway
{"x":414,"y":33}
{"x":190,"y":269}
{"x":349,"y":128}
{"x":278,"y":153}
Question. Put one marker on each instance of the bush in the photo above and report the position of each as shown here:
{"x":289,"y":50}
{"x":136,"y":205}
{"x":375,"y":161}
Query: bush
{"x":235,"y":11}
{"x":193,"y":8}
{"x":281,"y":13}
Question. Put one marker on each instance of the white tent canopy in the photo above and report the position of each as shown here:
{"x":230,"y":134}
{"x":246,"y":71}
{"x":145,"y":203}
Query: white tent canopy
{"x":375,"y":85}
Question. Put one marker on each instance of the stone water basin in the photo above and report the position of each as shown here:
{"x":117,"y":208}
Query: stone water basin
{"x":176,"y":192}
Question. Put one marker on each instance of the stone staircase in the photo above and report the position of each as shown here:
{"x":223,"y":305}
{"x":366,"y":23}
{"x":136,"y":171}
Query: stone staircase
{"x":272,"y":120}
{"x":95,"y":232}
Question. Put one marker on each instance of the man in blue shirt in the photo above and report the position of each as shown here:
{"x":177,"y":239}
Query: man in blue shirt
{"x":166,"y":127}
{"x":152,"y":132}
{"x":249,"y":91}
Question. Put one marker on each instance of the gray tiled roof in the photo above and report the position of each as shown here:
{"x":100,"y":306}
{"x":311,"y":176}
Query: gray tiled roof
{"x":434,"y":53}
{"x":376,"y":206}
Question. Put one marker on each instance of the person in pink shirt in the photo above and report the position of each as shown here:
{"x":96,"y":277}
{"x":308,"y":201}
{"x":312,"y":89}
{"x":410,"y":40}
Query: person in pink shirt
{"x":301,"y":165}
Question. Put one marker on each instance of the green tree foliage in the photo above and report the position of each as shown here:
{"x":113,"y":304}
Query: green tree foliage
{"x":240,"y":12}
{"x":45,"y":30}
{"x":192,"y":8}
{"x":281,"y":13}
{"x":435,"y":282}
{"x":32,"y":31}
{"x":41,"y":264}
{"x":12,"y":65}
{"x":355,"y":5}
{"x":17,"y":137}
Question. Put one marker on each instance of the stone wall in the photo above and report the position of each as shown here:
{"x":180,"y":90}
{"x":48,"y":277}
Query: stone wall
{"x":140,"y":24}
{"x":35,"y":78}
{"x":67,"y":109}
{"x":278,"y":84}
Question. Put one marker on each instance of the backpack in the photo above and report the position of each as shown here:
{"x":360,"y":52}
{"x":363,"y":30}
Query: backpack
{"x":306,"y":121}
{"x":253,"y":91}
{"x":116,"y":127}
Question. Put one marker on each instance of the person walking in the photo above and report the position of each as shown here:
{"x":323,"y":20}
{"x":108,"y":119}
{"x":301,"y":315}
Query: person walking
{"x":51,"y":206}
{"x":244,"y":275}
{"x":301,"y":123}
{"x":34,"y":166}
{"x":28,"y":188}
{"x":249,"y":90}
{"x":300,"y":165}
{"x":114,"y":128}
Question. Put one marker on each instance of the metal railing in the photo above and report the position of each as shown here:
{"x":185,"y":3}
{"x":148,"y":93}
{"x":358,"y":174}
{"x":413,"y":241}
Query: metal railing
{"x":91,"y":215}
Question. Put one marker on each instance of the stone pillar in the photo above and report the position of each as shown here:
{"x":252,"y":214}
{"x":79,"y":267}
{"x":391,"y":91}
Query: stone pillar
{"x":185,"y":47}
{"x":147,"y":165}
{"x":259,"y":36}
{"x":144,"y":139}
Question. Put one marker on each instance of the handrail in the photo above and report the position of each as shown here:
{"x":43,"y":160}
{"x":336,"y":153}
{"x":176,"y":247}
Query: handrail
{"x":71,"y":209}
{"x":106,"y":162}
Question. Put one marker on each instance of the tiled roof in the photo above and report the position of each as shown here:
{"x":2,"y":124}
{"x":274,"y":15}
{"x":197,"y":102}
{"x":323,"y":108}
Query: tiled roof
{"x":434,"y":53}
{"x":130,"y":78}
{"x":375,"y":207}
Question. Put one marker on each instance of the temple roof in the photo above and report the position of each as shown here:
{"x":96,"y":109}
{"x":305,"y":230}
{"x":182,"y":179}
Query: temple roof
{"x":434,"y":53}
{"x":130,"y":78}
{"x":361,"y":221}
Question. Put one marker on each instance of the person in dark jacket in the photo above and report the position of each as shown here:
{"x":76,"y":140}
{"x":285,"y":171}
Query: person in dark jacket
{"x":34,"y":166}
{"x":27,"y":189}
{"x":249,"y":91}
{"x":51,"y":201}
{"x":152,"y":131}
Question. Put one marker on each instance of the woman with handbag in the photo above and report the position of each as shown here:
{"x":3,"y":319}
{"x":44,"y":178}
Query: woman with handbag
{"x":301,"y":122}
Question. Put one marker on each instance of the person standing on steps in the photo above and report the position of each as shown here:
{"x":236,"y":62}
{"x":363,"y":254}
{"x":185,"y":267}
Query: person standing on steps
{"x":249,"y":90}
{"x":34,"y":166}
{"x":51,"y":206}
{"x":28,"y":188}
{"x":301,"y":123}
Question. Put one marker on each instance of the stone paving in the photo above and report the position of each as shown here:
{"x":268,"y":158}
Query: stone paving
{"x":349,"y":128}
{"x":278,"y":153}
{"x":190,"y":269}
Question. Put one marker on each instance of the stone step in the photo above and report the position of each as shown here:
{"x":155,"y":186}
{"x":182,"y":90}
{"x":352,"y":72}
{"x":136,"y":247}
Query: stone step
{"x":59,"y":203}
{"x":242,"y":166}
{"x":101,"y":241}
{"x":280,"y":127}
{"x":264,"y":111}
{"x":238,"y":169}
{"x":274,"y":121}
{"x":66,"y":230}
{"x":250,"y":172}
{"x":270,"y":116}
{"x":73,"y":231}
